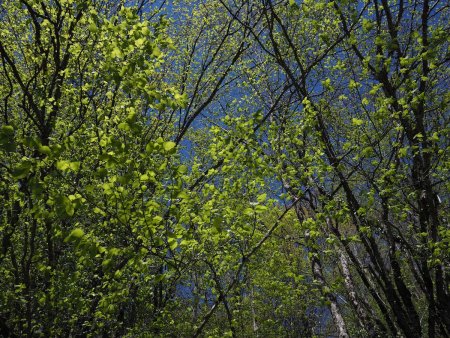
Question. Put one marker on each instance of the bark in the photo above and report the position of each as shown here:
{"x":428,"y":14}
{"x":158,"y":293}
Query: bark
{"x":331,"y":298}
{"x":363,"y":318}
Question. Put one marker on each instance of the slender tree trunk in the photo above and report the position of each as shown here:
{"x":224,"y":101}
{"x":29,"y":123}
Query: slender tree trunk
{"x":255,"y":324}
{"x":334,"y":308}
{"x":363,"y":318}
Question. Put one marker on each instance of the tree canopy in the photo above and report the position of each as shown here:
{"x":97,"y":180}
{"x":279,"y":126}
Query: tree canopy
{"x":220,"y":168}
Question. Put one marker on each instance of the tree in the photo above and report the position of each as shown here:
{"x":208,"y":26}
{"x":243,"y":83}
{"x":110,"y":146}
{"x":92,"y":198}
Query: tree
{"x":222,"y":168}
{"x":365,"y":153}
{"x":101,"y":222}
{"x":86,"y":178}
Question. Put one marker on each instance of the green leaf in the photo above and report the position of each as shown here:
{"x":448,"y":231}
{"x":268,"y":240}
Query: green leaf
{"x":261,"y":198}
{"x":75,"y":234}
{"x":169,"y":145}
{"x":260,"y":208}
{"x":156,"y":53}
{"x":116,"y":52}
{"x":7,"y":139}
{"x":106,"y":264}
{"x":293,"y":4}
{"x":74,"y":166}
{"x":62,"y":165}
{"x":149,"y":147}
{"x":367,"y":151}
{"x":248,"y":211}
{"x":357,"y":122}
{"x":402,"y":152}
{"x":173,"y":243}
{"x":67,"y":165}
{"x":22,"y":170}
{"x":435,"y":137}
{"x":68,"y":206}
{"x":183,"y":195}
{"x":353,"y":84}
{"x":7,"y":131}
{"x":182,"y":169}
{"x":124,"y":126}
{"x":367,"y":25}
{"x":93,"y":28}
{"x":45,"y":150}
{"x":139,"y":42}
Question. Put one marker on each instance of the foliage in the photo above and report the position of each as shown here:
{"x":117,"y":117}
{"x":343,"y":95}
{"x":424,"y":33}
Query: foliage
{"x":222,"y":168}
